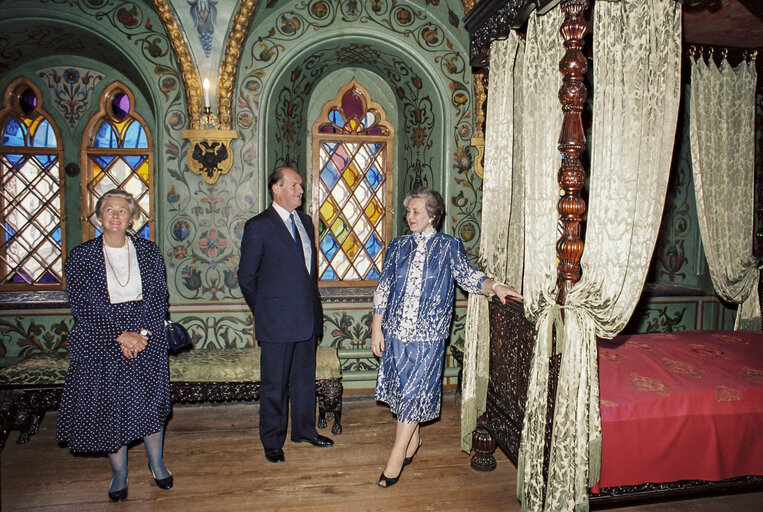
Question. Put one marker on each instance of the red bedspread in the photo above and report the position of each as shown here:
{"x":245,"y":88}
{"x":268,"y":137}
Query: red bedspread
{"x":681,"y":406}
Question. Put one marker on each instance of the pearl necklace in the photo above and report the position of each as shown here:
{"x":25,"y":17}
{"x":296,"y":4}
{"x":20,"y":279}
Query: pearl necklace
{"x":108,"y":262}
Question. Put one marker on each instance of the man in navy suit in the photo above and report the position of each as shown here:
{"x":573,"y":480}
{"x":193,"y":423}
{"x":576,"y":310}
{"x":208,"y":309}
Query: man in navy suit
{"x":278,"y":277}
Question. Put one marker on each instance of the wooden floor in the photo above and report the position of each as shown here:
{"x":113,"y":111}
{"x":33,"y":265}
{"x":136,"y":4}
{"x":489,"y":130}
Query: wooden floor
{"x":215,"y":454}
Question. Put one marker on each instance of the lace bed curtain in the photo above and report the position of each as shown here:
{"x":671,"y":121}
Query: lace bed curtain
{"x":723,"y":159}
{"x":501,"y":243}
{"x":637,"y":51}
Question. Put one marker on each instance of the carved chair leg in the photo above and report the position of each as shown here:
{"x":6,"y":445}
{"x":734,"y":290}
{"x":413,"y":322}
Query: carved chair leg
{"x":484,"y":446}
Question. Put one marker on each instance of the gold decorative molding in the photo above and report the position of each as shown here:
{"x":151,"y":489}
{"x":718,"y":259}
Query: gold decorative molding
{"x":209,"y":154}
{"x":480,"y":97}
{"x":468,"y":4}
{"x":183,"y":58}
{"x":479,"y":143}
{"x":239,"y":29}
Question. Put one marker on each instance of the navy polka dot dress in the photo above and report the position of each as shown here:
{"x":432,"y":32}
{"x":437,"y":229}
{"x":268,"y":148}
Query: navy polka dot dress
{"x":109,"y":400}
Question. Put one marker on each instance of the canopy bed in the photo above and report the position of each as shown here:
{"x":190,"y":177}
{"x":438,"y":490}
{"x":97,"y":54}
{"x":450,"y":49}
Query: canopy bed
{"x":632,"y":410}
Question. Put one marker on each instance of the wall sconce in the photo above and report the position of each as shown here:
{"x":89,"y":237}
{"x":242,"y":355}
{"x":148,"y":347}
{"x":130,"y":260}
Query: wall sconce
{"x":209,"y":154}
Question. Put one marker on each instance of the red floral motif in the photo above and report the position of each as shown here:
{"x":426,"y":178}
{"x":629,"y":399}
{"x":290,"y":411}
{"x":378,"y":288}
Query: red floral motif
{"x":642,"y":383}
{"x":680,"y":367}
{"x":609,"y":356}
{"x":726,"y":394}
{"x":752,"y":374}
{"x":212,"y":242}
{"x":608,"y":403}
{"x":706,"y":350}
{"x":179,"y":252}
{"x":637,"y":344}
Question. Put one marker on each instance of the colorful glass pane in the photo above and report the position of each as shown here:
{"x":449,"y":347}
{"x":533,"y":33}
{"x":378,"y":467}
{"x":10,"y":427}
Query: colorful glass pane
{"x":106,"y":137}
{"x":330,"y":175}
{"x":329,"y":211}
{"x":43,"y":135}
{"x":135,"y":137}
{"x":373,"y":246}
{"x":351,"y":246}
{"x":329,"y":246}
{"x":329,"y":274}
{"x":336,"y":117}
{"x":374,"y":211}
{"x":13,"y":160}
{"x":351,"y":176}
{"x":352,"y":105}
{"x":374,"y":274}
{"x":340,"y":158}
{"x":373,"y":177}
{"x":340,"y":229}
{"x":13,"y":134}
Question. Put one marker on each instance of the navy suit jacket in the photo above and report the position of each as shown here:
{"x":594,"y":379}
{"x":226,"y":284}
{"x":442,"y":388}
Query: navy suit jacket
{"x":277,"y":287}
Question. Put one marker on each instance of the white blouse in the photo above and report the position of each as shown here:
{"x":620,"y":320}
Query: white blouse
{"x":122,"y":273}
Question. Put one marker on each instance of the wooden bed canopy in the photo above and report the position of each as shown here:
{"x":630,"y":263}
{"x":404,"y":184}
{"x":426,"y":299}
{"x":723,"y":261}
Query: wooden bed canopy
{"x":511,"y":348}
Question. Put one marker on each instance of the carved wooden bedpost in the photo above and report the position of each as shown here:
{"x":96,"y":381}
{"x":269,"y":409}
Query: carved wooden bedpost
{"x":572,"y":144}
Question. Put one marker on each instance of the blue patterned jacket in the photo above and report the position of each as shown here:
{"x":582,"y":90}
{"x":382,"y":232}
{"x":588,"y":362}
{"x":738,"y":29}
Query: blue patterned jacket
{"x":445,"y":262}
{"x":95,"y":326}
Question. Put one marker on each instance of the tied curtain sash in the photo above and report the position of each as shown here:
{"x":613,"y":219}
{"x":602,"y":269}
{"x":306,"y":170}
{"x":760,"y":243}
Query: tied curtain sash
{"x":722,"y":120}
{"x":637,"y":54}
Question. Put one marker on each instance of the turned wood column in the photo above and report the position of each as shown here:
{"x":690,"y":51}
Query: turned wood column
{"x":572,"y":143}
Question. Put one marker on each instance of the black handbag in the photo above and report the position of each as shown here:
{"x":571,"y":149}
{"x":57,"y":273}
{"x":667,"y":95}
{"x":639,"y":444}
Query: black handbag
{"x":177,"y":336}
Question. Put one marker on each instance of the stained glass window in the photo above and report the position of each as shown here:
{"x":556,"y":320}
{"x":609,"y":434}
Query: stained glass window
{"x":118,"y":156}
{"x":31,"y":204}
{"x":352,"y":178}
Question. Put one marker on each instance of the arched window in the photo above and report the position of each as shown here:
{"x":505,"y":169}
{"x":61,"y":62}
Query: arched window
{"x":352,"y":179}
{"x":31,"y":202}
{"x":118,"y":154}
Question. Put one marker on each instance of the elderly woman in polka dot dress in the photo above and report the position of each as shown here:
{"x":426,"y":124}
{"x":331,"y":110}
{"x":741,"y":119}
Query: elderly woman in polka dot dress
{"x":117,"y":386}
{"x":413,"y":307}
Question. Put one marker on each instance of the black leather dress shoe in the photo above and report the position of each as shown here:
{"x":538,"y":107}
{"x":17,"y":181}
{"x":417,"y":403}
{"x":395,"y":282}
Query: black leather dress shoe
{"x":318,"y":440}
{"x":274,"y":455}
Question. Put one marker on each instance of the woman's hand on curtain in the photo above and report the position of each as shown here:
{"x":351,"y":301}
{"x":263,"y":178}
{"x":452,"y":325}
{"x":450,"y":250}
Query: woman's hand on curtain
{"x":504,"y":293}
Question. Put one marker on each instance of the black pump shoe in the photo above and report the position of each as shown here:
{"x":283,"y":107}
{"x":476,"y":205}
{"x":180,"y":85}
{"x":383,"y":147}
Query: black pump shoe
{"x":389,"y":482}
{"x":408,"y":460}
{"x":161,"y":483}
{"x":117,"y":496}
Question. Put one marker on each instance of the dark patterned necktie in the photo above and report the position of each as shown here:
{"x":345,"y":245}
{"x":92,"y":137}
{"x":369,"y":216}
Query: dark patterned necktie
{"x":295,"y":232}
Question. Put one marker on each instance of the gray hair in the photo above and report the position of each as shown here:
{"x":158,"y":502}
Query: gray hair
{"x":433,"y":201}
{"x":117,"y":192}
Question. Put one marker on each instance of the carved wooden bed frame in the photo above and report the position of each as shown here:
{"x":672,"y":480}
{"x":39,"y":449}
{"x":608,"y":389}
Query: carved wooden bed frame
{"x":511,"y":335}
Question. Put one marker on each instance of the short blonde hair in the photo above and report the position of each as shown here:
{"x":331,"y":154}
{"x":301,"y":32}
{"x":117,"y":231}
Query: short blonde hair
{"x":117,"y":192}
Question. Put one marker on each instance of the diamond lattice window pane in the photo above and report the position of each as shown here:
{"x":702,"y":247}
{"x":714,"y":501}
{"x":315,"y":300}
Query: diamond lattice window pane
{"x":30,"y":205}
{"x":352,"y":201}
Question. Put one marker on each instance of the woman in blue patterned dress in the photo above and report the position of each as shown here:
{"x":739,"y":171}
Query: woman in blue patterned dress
{"x":117,"y":385}
{"x":413,"y":306}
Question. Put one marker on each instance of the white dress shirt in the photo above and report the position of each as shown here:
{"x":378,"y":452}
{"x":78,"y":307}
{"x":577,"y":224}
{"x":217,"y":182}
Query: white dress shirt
{"x":307,"y":251}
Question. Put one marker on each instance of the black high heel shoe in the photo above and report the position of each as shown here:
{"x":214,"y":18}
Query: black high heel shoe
{"x":117,"y":496}
{"x":389,"y":482}
{"x":408,"y":460}
{"x":161,"y":483}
